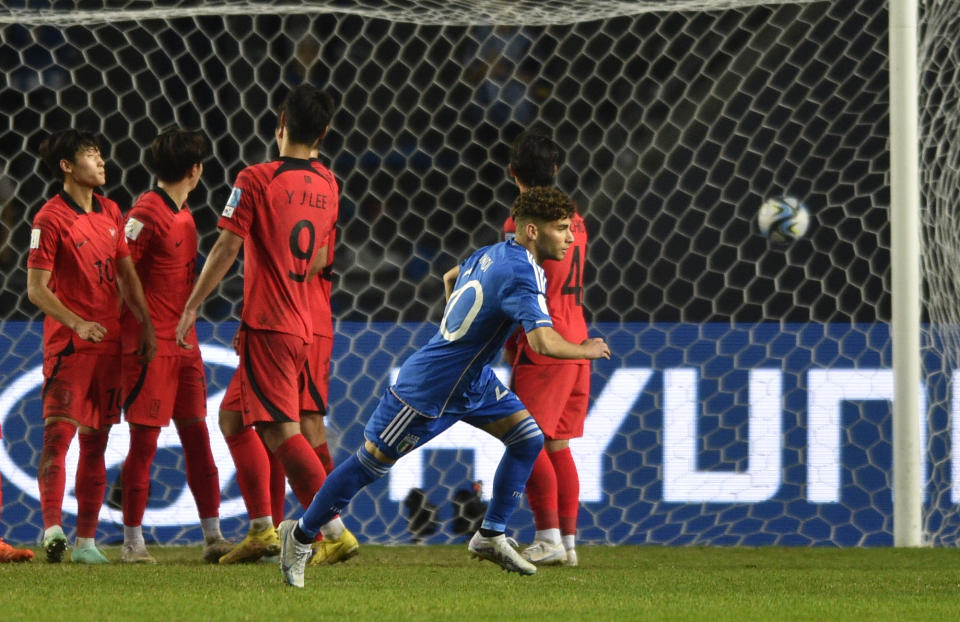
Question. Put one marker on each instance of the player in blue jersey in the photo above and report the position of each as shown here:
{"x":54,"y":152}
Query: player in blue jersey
{"x":449,"y":380}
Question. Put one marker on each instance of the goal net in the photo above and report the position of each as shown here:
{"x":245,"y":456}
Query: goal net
{"x":747,"y":401}
{"x":939,"y":63}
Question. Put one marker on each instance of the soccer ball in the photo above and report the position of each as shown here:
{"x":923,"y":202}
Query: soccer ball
{"x":783,"y":219}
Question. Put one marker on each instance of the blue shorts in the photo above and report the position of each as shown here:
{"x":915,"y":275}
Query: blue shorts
{"x":396,"y":428}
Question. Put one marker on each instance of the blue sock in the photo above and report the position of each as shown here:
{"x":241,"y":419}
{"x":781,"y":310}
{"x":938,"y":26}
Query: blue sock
{"x":340,"y":486}
{"x":523,"y":443}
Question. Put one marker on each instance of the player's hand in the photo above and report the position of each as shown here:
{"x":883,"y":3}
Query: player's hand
{"x":597,"y":348}
{"x":147,"y":344}
{"x":236,"y":342}
{"x":90,"y":331}
{"x":187,"y":320}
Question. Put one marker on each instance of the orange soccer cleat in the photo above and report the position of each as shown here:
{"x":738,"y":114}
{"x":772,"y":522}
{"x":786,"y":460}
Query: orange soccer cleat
{"x":10,"y":554}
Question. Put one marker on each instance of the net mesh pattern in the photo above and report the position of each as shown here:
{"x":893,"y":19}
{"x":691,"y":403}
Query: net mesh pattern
{"x":677,"y":120}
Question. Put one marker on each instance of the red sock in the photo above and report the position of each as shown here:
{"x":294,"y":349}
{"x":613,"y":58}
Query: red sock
{"x":303,"y":468}
{"x":136,"y":473}
{"x":202,"y":475}
{"x":278,"y":489}
{"x":568,"y":489}
{"x":250,"y":458}
{"x":91,"y":482}
{"x":323,"y":452}
{"x":542,"y":493}
{"x":52,"y":472}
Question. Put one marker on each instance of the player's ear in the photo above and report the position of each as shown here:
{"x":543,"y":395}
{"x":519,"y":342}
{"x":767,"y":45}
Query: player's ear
{"x":66,"y":166}
{"x":531,"y":230}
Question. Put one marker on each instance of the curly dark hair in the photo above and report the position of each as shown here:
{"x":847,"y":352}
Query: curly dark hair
{"x":542,"y":204}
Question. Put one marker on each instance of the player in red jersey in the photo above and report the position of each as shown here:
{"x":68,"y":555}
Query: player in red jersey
{"x":280,"y":213}
{"x":77,"y":265}
{"x":162,"y":237}
{"x":314,"y":391}
{"x":314,"y":382}
{"x":7,"y":552}
{"x":555,"y":391}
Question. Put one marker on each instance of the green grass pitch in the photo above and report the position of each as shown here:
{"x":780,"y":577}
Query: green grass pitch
{"x":442,"y":583}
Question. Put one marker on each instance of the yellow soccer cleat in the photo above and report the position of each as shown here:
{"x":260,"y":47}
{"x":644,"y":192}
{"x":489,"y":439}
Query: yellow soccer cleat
{"x":329,"y":551}
{"x":255,"y":545}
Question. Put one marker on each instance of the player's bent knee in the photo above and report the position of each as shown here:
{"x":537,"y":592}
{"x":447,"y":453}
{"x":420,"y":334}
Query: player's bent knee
{"x":231,"y":422}
{"x":374,"y":452}
{"x":525,"y":439}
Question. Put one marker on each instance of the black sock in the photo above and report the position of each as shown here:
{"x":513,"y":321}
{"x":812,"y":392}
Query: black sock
{"x":490,"y":533}
{"x":301,"y":536}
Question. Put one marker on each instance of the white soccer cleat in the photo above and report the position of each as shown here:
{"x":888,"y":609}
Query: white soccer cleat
{"x":499,"y":551}
{"x":293,"y":555}
{"x":571,"y":558}
{"x":545,"y":554}
{"x":136,"y":555}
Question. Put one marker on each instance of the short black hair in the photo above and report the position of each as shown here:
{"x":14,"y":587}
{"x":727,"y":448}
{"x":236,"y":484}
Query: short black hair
{"x":308,"y":112}
{"x":534,"y":158}
{"x":542,"y":204}
{"x":64,"y":145}
{"x":175,"y":151}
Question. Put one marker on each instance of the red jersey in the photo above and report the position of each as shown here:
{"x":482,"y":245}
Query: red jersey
{"x":284,"y":211}
{"x":564,"y":292}
{"x":81,"y":251}
{"x":162,"y":237}
{"x":320,"y":288}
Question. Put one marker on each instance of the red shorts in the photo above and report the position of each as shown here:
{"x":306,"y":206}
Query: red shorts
{"x":269,"y":372}
{"x":83,"y":387}
{"x":314,"y":380}
{"x":168,"y":387}
{"x":231,"y":398}
{"x":315,"y":377}
{"x":556,"y":395}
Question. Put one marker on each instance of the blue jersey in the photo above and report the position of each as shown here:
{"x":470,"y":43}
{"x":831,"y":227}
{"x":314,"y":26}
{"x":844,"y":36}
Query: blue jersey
{"x":499,"y":286}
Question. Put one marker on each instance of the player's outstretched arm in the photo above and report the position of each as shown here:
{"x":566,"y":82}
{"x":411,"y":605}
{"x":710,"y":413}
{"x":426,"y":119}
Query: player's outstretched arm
{"x":549,"y":342}
{"x":131,"y":291}
{"x":38,"y":291}
{"x":222,"y":256}
{"x":449,"y":280}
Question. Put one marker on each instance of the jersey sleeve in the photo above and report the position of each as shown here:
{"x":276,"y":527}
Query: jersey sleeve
{"x":138,"y":230}
{"x":44,"y":241}
{"x":238,"y":213}
{"x":121,"y":250}
{"x":523,"y":299}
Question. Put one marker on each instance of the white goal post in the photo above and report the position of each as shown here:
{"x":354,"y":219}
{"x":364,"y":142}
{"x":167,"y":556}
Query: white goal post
{"x":905,"y":271}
